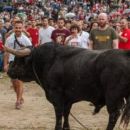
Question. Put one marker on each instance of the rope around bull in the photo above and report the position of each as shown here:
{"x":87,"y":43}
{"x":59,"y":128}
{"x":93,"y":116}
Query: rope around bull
{"x":85,"y":128}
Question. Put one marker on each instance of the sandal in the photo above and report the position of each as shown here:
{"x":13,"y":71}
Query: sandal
{"x":18,"y":105}
{"x":22,"y":101}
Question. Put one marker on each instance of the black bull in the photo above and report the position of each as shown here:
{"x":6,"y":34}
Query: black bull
{"x":69,"y":75}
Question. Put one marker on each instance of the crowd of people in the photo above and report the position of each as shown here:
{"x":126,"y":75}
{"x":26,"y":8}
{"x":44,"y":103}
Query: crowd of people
{"x":74,"y":23}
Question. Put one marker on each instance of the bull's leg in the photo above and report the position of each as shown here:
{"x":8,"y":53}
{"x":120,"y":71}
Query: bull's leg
{"x":113,"y":117}
{"x":114,"y":111}
{"x":67,"y":108}
{"x":55,"y":96}
{"x":58,"y":113}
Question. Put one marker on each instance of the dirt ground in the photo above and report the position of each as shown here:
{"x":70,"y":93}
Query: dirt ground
{"x":38,"y":114}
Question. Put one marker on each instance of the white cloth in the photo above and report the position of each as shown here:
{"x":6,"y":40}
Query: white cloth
{"x":10,"y":41}
{"x":75,"y":42}
{"x":84,"y":39}
{"x":45,"y":34}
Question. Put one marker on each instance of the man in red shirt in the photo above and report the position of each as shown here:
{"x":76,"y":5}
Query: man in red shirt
{"x":59,"y":35}
{"x":34,"y":33}
{"x":124,"y":37}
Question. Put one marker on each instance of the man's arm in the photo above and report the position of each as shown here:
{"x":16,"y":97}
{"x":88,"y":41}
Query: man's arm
{"x":122,"y":39}
{"x":6,"y":61}
{"x":39,"y":40}
{"x":90,"y":44}
{"x":115,"y":44}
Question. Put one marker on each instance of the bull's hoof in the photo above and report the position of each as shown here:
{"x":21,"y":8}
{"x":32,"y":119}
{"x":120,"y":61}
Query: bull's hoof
{"x":97,"y":109}
{"x":57,"y":128}
{"x":66,"y":128}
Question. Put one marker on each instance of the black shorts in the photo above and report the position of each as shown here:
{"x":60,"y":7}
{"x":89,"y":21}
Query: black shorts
{"x":10,"y":66}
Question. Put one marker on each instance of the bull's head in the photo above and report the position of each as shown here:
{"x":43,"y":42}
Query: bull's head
{"x":21,"y":67}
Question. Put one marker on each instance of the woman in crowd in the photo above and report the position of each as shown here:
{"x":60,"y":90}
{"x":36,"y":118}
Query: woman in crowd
{"x":74,"y":39}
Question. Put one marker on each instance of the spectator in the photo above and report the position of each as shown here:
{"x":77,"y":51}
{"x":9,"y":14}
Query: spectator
{"x":2,"y":41}
{"x":84,"y":35}
{"x":28,"y":25}
{"x":2,"y":32}
{"x":8,"y":26}
{"x":34,"y":33}
{"x":103,"y":37}
{"x":68,"y":24}
{"x":51,"y":22}
{"x":1,"y":58}
{"x":87,"y":17}
{"x":60,"y":31}
{"x":94,"y":25}
{"x":45,"y":31}
{"x":124,"y":36}
{"x":86,"y":26}
{"x":74,"y":39}
{"x":118,"y":28}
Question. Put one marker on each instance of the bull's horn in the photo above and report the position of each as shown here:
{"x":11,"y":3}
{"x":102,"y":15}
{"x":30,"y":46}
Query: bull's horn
{"x":21,"y":53}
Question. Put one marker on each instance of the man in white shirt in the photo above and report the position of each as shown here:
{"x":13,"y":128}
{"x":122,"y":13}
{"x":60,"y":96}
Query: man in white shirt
{"x":45,"y":31}
{"x":84,"y":35}
{"x":16,"y":40}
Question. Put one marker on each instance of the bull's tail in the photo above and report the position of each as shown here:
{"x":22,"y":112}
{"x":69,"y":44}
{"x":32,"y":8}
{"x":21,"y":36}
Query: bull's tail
{"x":126,"y":114}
